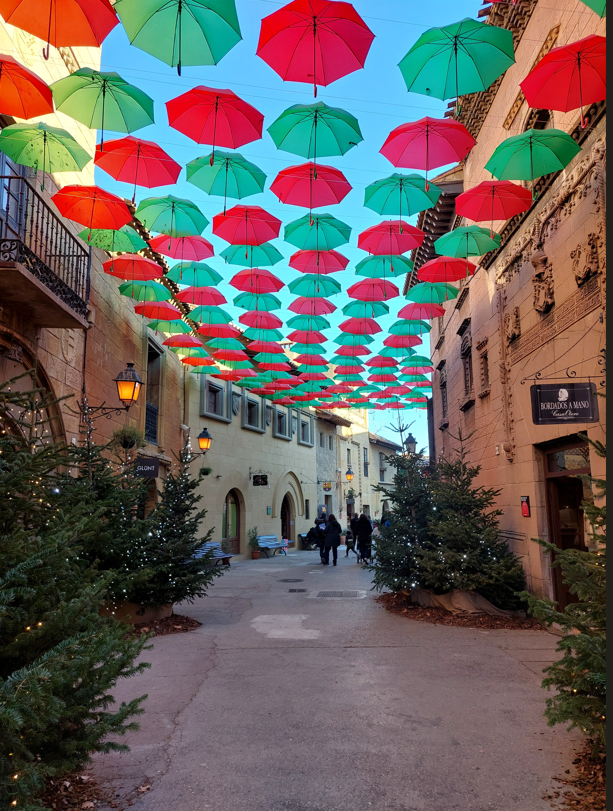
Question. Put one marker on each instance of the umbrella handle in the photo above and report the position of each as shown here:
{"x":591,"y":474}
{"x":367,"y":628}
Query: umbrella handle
{"x":47,"y":49}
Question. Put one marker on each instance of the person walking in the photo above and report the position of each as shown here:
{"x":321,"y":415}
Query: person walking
{"x":350,"y":543}
{"x":332,"y":541}
{"x":364,"y":536}
{"x":353,"y":524}
{"x":321,"y":536}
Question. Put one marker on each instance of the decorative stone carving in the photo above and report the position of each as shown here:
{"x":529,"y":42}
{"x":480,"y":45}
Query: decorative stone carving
{"x":236,"y":403}
{"x":268,"y":415}
{"x":512,"y":325}
{"x":14,"y":353}
{"x":544,"y":291}
{"x":68,"y":346}
{"x":585,"y":260}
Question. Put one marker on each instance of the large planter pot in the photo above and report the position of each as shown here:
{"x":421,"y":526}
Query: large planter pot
{"x":129,"y":612}
{"x":255,"y":554}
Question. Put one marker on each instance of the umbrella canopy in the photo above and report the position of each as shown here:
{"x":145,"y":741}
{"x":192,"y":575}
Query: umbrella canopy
{"x":162,"y":312}
{"x":216,"y":117}
{"x":319,"y":232}
{"x":309,"y":349}
{"x":315,"y":131}
{"x":493,"y":200}
{"x":254,"y":255}
{"x":405,"y":327}
{"x":43,"y":148}
{"x":194,"y":274}
{"x":22,"y":93}
{"x":62,"y":22}
{"x":307,"y":337}
{"x":257,"y":281}
{"x":201,"y":296}
{"x":126,"y":240}
{"x":422,"y":311}
{"x":426,"y":293}
{"x":382,"y":267}
{"x":470,"y":240}
{"x":261,"y":320}
{"x":312,"y":306}
{"x":145,"y":291}
{"x":311,"y":186}
{"x":225,"y":343}
{"x":312,"y":285}
{"x":391,"y":238}
{"x":183,"y":341}
{"x":226,"y":175}
{"x":219,"y":331}
{"x":352,"y":351}
{"x":172,"y":216}
{"x":133,"y":267}
{"x":401,"y":195}
{"x":532,"y":154}
{"x":92,"y":207}
{"x":211,"y":316}
{"x":188,"y":249}
{"x":267,"y":347}
{"x":398,"y":351}
{"x":362,"y":309}
{"x":403,"y":341}
{"x":373,"y":290}
{"x":323,"y":262}
{"x":422,"y":360}
{"x":599,"y":6}
{"x":315,"y":42}
{"x":181,"y":32}
{"x":352,"y":341}
{"x":141,"y":163}
{"x":380,"y":362}
{"x":103,"y":101}
{"x":360,"y":326}
{"x":262,"y":303}
{"x":175,"y":327}
{"x":569,"y":77}
{"x":246,"y":225}
{"x":445,"y":269}
{"x":465,"y":57}
{"x":308,"y":323}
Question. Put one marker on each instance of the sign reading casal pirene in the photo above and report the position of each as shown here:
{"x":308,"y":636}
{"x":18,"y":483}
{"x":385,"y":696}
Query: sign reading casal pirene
{"x":553,"y":404}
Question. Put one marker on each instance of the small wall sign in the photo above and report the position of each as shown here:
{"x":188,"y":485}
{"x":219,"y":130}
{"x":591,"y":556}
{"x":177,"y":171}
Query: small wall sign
{"x":147,"y":468}
{"x":525,"y":506}
{"x":553,"y":404}
{"x":260,"y":480}
{"x":268,"y":510}
{"x":327,"y":487}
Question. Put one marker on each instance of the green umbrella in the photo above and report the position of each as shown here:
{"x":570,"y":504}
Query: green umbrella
{"x":172,"y":216}
{"x":181,"y":32}
{"x":366,"y":309}
{"x":315,"y":131}
{"x":313,"y":285}
{"x":172,"y":327}
{"x":304,"y":368}
{"x":599,"y":6}
{"x":190,"y":351}
{"x":317,"y":232}
{"x":212,"y":316}
{"x":254,"y":334}
{"x":409,"y":327}
{"x":458,"y":59}
{"x":204,"y":370}
{"x":309,"y":349}
{"x":309,"y":323}
{"x":471,"y":240}
{"x":264,"y":303}
{"x":259,"y":256}
{"x":415,"y":379}
{"x":342,"y":360}
{"x":419,"y":360}
{"x":345,"y":339}
{"x":237,"y":364}
{"x":126,"y":240}
{"x":269,"y":357}
{"x":403,"y":195}
{"x":103,"y":101}
{"x":432,"y":293}
{"x":384,"y":267}
{"x":145,"y":291}
{"x":532,"y":154}
{"x":194,"y":274}
{"x":225,"y":343}
{"x":396,"y":352}
{"x":44,"y":148}
{"x":226,"y":174}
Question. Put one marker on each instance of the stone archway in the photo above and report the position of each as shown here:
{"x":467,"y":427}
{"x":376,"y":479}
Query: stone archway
{"x":288,"y":519}
{"x":288,"y":483}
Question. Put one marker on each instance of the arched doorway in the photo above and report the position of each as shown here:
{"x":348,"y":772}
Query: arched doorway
{"x":231,"y":522}
{"x":288,"y":522}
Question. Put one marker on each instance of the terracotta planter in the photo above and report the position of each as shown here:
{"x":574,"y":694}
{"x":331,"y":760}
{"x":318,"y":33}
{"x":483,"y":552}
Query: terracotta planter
{"x":129,"y":612}
{"x":255,"y":554}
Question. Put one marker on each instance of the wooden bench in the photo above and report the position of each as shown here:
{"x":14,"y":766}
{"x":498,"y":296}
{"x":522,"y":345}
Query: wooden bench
{"x":266,"y":543}
{"x":215,"y":552}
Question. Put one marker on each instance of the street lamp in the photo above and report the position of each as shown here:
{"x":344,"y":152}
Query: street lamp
{"x":205,"y":440}
{"x":411,"y":444}
{"x":349,"y":475}
{"x":129,"y":385}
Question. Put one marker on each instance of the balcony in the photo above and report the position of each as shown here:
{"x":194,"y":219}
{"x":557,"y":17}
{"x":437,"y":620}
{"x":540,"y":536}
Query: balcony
{"x":44,"y":268}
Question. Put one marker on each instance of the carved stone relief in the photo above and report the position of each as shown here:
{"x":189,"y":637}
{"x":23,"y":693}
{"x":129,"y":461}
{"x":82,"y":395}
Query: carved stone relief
{"x":268,"y":415}
{"x":544,"y":291}
{"x":68,"y":346}
{"x":585,"y":260}
{"x":236,"y":403}
{"x":512,"y":325}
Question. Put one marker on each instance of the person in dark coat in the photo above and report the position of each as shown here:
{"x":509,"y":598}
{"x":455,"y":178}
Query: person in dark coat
{"x":350,"y":543}
{"x":312,"y":537}
{"x":364,"y":536}
{"x":332,"y":541}
{"x":353,"y":524}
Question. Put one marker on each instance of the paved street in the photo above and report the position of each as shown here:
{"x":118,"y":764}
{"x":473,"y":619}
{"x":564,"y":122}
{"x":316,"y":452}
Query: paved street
{"x":295,"y":701}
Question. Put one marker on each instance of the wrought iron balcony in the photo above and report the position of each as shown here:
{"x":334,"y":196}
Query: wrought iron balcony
{"x":151,"y":424}
{"x":44,"y":268}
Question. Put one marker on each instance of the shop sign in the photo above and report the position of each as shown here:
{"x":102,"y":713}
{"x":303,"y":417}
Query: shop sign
{"x":554,"y":404}
{"x":327,"y":487}
{"x":260,"y":481}
{"x":147,"y":468}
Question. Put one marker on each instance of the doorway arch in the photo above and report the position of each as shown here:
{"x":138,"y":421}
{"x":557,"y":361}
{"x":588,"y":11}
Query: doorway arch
{"x":231,"y":522}
{"x":288,"y":519}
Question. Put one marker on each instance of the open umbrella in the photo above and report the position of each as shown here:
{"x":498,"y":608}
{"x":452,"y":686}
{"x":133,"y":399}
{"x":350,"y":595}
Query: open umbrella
{"x":246,"y":225}
{"x":569,"y":77}
{"x":352,"y":341}
{"x":210,"y":316}
{"x":201,"y":296}
{"x":391,"y":238}
{"x":380,"y":362}
{"x":354,"y":351}
{"x":174,"y":327}
{"x":316,"y":131}
{"x":470,"y":240}
{"x":308,"y":322}
{"x":225,"y":343}
{"x":493,"y":200}
{"x":226,"y":175}
{"x":315,"y":41}
{"x":261,"y":320}
{"x":126,"y":240}
{"x":182,"y":341}
{"x":216,"y":117}
{"x":307,"y":337}
{"x":145,"y":291}
{"x":92,"y":207}
{"x":171,"y":216}
{"x":599,"y":6}
{"x":219,"y":331}
{"x":267,"y":347}
{"x":188,"y":249}
{"x":403,"y":341}
{"x":403,"y":348}
{"x":22,"y":93}
{"x":373,"y":290}
{"x":366,"y":309}
{"x":360,"y":326}
{"x":445,"y":269}
{"x":383,"y":267}
{"x":62,"y":22}
{"x":312,"y":306}
{"x":181,"y":32}
{"x":265,"y":302}
{"x":256,"y":255}
{"x":258,"y":281}
{"x":312,"y":285}
{"x":320,"y":232}
{"x":532,"y":154}
{"x":323,"y":262}
{"x":426,"y":293}
{"x":163,"y":312}
{"x":428,"y":144}
{"x":405,"y":327}
{"x":141,"y":163}
{"x":43,"y":148}
{"x":311,"y":186}
{"x":133,"y":267}
{"x":309,"y":349}
{"x":103,"y":101}
{"x":422,"y":311}
{"x":401,"y":195}
{"x":465,"y":57}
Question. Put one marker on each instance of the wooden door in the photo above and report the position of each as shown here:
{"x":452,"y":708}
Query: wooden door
{"x":566,"y":495}
{"x":231,"y":523}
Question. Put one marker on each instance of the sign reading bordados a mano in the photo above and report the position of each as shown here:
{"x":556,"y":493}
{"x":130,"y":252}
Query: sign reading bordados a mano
{"x":557,"y":403}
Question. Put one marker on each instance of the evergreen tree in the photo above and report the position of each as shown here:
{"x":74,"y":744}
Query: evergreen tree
{"x":58,"y":658}
{"x":579,"y":677}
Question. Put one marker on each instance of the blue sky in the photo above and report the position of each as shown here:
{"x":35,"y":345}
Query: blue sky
{"x":377,"y":96}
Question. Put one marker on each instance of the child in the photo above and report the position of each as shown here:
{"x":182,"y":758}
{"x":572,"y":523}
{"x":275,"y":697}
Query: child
{"x":350,"y":542}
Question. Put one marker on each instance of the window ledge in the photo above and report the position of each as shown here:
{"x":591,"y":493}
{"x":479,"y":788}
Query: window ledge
{"x":284,"y":438}
{"x":219,"y":417}
{"x":485,"y":393}
{"x":306,"y":444}
{"x":444,"y":426}
{"x":254,"y":428}
{"x":468,"y":403}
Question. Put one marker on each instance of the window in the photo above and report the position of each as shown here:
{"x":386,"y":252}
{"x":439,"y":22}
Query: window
{"x":444,"y":400}
{"x":307,"y":431}
{"x":216,"y":400}
{"x":153,"y":389}
{"x":307,"y":510}
{"x":485,"y":372}
{"x":382,"y":467}
{"x":366,"y":462}
{"x":281,"y":425}
{"x":322,"y":440}
{"x":467,"y":360}
{"x":348,"y":457}
{"x":331,"y":443}
{"x":230,"y":522}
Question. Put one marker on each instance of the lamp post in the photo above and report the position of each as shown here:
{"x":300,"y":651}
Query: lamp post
{"x":205,"y":441}
{"x":129,"y":386}
{"x":349,"y":475}
{"x":411,"y":444}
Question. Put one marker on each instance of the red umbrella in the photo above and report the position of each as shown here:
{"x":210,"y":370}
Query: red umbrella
{"x":373,"y":290}
{"x":417,"y":370}
{"x":428,"y":143}
{"x":269,"y":347}
{"x":396,"y":391}
{"x":183,"y":342}
{"x":446,"y":269}
{"x":257,"y":281}
{"x":310,"y":377}
{"x":568,"y":77}
{"x":349,"y":370}
{"x":186,"y":249}
{"x":311,"y":360}
{"x":143,"y":163}
{"x":198,"y":361}
{"x":258,"y":320}
{"x":381,"y":363}
{"x":403,"y":341}
{"x":324,"y":262}
{"x":208,"y":115}
{"x":22,"y":93}
{"x":352,"y":351}
{"x":312,"y":306}
{"x":315,"y":41}
{"x":133,"y":267}
{"x":281,"y":366}
{"x":246,"y":225}
{"x":392,"y":237}
{"x":219,"y":331}
{"x":304,"y":337}
{"x":382,"y":378}
{"x":360,"y":326}
{"x":338,"y":389}
{"x":201,"y":296}
{"x":230,"y":354}
{"x":158,"y":311}
{"x":62,"y":22}
{"x":494,"y":200}
{"x":421,"y":312}
{"x":92,"y":207}
{"x":311,"y":186}
{"x":286,"y":401}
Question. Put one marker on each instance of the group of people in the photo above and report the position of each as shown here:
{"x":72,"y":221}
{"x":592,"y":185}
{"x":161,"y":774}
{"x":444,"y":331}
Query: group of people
{"x":327,"y":535}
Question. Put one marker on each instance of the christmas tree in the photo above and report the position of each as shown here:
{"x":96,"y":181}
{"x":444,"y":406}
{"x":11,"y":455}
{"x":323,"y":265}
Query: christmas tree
{"x":579,"y":677}
{"x":58,"y":658}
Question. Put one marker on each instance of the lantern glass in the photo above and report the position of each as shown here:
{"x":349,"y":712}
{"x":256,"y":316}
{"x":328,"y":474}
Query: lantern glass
{"x":349,"y":475}
{"x":204,"y":441}
{"x":411,"y":444}
{"x":129,"y":385}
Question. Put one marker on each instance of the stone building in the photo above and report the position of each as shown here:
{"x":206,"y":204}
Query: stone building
{"x":519,"y":355}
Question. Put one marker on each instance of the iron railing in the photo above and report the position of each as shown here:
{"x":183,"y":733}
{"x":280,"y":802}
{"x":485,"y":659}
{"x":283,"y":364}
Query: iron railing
{"x":151,"y":424}
{"x":33,"y":235}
